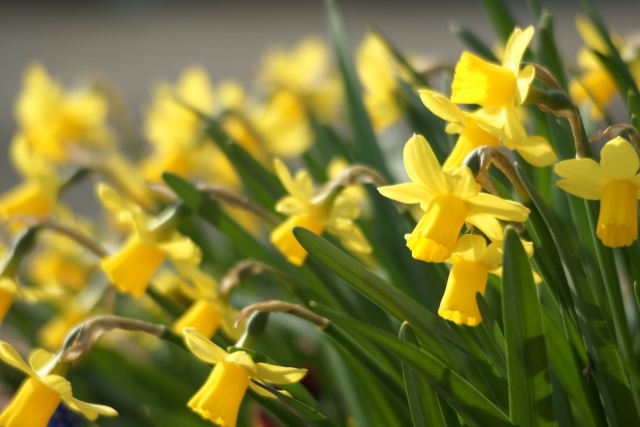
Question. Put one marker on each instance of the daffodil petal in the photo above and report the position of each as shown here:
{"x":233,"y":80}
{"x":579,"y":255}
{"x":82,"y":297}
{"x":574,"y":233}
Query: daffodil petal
{"x":487,"y":224}
{"x":492,"y":256}
{"x":285,"y":178}
{"x":636,"y":181}
{"x":261,"y":391}
{"x":442,"y":107}
{"x":408,"y":193}
{"x":583,"y":178}
{"x":523,"y":83}
{"x":469,"y":247}
{"x":242,"y":359}
{"x":304,"y":184}
{"x":290,"y":205}
{"x":11,"y":357}
{"x":59,"y":384}
{"x":422,"y":165}
{"x":461,"y":182}
{"x":203,"y":348}
{"x":506,"y":210}
{"x":279,"y":374}
{"x":619,"y":160}
{"x":40,"y":358}
{"x":537,"y":151}
{"x":92,"y":410}
{"x":513,"y":129}
{"x":516,"y":46}
{"x":182,"y":248}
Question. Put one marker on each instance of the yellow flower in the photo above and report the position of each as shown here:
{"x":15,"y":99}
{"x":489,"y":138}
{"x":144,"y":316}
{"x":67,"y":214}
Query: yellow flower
{"x":40,"y":394}
{"x":51,"y":120}
{"x":471,"y":262}
{"x":334,"y":214}
{"x":54,"y":332}
{"x":449,"y":198}
{"x":378,"y":76}
{"x":8,"y":290}
{"x":475,"y":132}
{"x":500,"y":88}
{"x":30,"y":198}
{"x":615,"y":182}
{"x":218,"y":400}
{"x":131,"y":268}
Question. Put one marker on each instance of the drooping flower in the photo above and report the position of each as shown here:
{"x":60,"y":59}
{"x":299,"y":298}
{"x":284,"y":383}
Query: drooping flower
{"x":148,"y":245}
{"x":498,"y":88}
{"x":40,"y":394}
{"x":475,"y":132}
{"x":218,"y":400}
{"x":449,"y":198}
{"x":615,"y":181}
{"x":335,"y":214}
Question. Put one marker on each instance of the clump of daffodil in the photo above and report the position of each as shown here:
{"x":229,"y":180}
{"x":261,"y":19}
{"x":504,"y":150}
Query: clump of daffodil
{"x":209,"y":311}
{"x":40,"y":394}
{"x":218,"y":400}
{"x":177,"y":132}
{"x":334,"y":213}
{"x":498,"y":88}
{"x":475,"y":132}
{"x":615,"y":182}
{"x":378,"y":76}
{"x":449,"y":198}
{"x":306,"y":72}
{"x":151,"y":241}
{"x":51,"y":119}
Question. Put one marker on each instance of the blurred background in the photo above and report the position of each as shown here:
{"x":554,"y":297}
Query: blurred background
{"x":135,"y":43}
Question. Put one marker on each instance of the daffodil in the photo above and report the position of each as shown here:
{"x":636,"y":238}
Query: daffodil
{"x":498,"y":88}
{"x":335,"y":214}
{"x":41,"y":393}
{"x":475,"y":132}
{"x":131,"y":268}
{"x":51,"y":120}
{"x":378,"y":76}
{"x":615,"y":182}
{"x":8,"y":290}
{"x":218,"y":400}
{"x":449,"y":198}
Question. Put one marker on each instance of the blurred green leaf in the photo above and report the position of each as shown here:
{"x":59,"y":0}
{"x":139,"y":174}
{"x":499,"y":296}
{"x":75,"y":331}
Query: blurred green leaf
{"x":500,"y":17}
{"x":473,"y":42}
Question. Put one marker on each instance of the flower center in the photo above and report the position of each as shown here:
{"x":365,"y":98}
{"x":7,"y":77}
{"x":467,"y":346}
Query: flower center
{"x":459,"y":305}
{"x":618,"y":220}
{"x":32,"y":406}
{"x":435,"y":236}
{"x":219,"y":398}
{"x":477,"y":81}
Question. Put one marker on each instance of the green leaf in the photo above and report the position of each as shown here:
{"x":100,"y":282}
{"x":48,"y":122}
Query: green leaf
{"x":612,"y":381}
{"x":459,"y":394}
{"x":473,"y":42}
{"x":501,"y":19}
{"x":530,"y":402}
{"x":423,"y":401}
{"x":366,"y":148}
{"x":547,"y":53}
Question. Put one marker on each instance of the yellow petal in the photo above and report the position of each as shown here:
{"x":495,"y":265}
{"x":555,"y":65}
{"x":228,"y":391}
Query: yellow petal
{"x":536,"y":151}
{"x":583,"y":178}
{"x":461,"y":183}
{"x":442,"y":107}
{"x":202,"y":348}
{"x":182,"y":248}
{"x":279,"y":374}
{"x":513,"y":130}
{"x":636,"y":181}
{"x":487,"y":224}
{"x":619,"y":160}
{"x":304,"y":184}
{"x":506,"y":210}
{"x":39,"y":360}
{"x":408,"y":193}
{"x":469,"y":247}
{"x":92,"y":410}
{"x":516,"y":46}
{"x":11,"y":357}
{"x":262,"y":391}
{"x":286,"y":179}
{"x":60,"y":384}
{"x":523,"y":83}
{"x":242,"y":359}
{"x":492,"y":256}
{"x":422,"y":165}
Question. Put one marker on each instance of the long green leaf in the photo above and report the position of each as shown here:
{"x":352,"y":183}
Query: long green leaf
{"x":423,"y":401}
{"x":530,"y":402}
{"x":465,"y":399}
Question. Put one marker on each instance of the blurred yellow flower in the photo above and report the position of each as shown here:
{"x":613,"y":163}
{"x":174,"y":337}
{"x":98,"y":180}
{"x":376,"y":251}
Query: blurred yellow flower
{"x":41,"y":393}
{"x":51,"y":120}
{"x":218,"y":400}
{"x":8,"y":290}
{"x":475,"y":132}
{"x":335,"y":213}
{"x":615,"y":182}
{"x":499,"y":88}
{"x":449,"y":198}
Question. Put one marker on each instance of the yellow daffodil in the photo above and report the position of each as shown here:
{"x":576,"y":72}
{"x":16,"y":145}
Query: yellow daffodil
{"x":53,"y":333}
{"x":475,"y":132}
{"x":51,"y":120}
{"x":41,"y":393}
{"x":305,"y":71}
{"x":615,"y":182}
{"x":334,"y":214}
{"x":449,"y":198}
{"x":378,"y":76}
{"x":499,"y":88}
{"x":132,"y":267}
{"x":8,"y":290}
{"x":218,"y":400}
